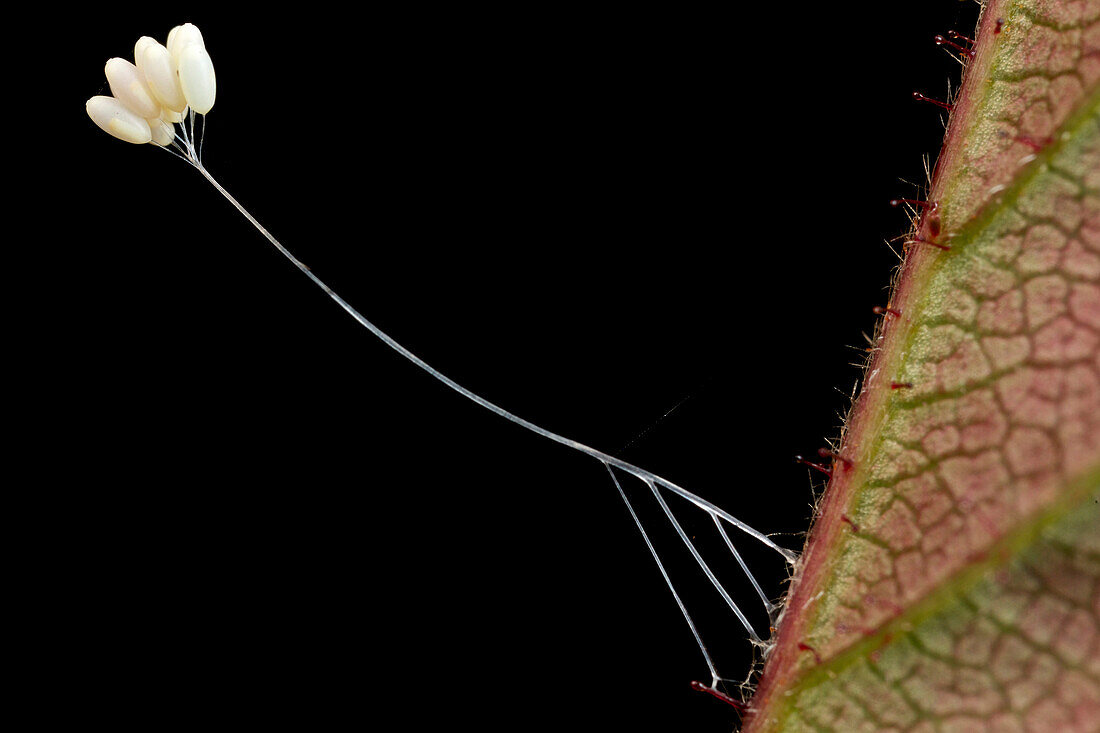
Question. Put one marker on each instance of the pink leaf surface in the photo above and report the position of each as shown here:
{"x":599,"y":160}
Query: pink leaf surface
{"x":952,"y":578}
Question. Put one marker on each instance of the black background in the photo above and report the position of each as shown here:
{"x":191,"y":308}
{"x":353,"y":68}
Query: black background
{"x":244,"y":508}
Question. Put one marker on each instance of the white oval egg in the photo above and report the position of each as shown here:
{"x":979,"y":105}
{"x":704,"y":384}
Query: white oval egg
{"x":117,"y":120}
{"x":197,"y":79}
{"x":139,"y":50}
{"x":182,"y":37}
{"x":128,"y":87}
{"x":160,"y":75}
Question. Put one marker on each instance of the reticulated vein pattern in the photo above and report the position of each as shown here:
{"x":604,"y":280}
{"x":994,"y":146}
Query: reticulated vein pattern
{"x":962,"y":593}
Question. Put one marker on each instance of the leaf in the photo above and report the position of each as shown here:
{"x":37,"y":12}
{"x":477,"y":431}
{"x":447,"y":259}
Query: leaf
{"x":952,"y":577}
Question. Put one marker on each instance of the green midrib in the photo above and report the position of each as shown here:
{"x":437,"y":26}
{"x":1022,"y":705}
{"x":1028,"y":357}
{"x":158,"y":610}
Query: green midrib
{"x":999,"y":554}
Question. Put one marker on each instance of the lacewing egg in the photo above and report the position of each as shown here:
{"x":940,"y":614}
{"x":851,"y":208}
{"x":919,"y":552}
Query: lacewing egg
{"x":128,"y":87}
{"x":181,"y":37}
{"x":196,"y":73}
{"x":161,"y":77}
{"x":139,"y":50}
{"x":117,"y":120}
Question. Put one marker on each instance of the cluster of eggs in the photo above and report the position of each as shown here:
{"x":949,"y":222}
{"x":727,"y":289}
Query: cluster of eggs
{"x":153,"y":93}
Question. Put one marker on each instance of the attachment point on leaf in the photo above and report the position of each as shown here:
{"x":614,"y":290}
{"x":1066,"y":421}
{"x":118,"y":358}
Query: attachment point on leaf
{"x":696,"y":685}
